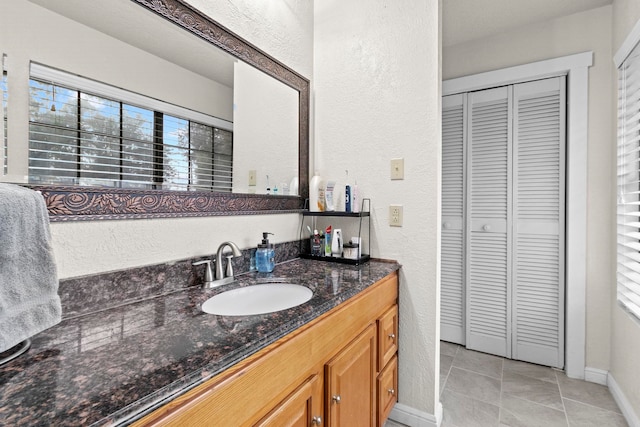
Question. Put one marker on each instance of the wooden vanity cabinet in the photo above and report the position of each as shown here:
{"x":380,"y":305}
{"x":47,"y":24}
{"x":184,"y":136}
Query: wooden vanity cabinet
{"x":325,"y":373}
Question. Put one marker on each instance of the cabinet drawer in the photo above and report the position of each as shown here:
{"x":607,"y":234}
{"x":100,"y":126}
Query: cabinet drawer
{"x":387,"y":386}
{"x":387,"y":336}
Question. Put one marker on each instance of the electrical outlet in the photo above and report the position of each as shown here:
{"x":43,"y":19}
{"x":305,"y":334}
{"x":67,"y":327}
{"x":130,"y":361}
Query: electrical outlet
{"x":397,"y":168}
{"x":395,"y":215}
{"x":252,"y":178}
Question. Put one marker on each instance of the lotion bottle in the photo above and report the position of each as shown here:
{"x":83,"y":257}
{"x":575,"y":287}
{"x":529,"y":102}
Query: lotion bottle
{"x":314,"y":193}
{"x":328,"y":196}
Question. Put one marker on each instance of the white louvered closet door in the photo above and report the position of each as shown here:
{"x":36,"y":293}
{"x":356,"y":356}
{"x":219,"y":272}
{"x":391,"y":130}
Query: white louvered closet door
{"x":488,"y":248}
{"x":538,"y":221}
{"x":452,"y":289}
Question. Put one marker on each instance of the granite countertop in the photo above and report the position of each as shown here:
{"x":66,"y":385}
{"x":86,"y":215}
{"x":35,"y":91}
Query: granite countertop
{"x":113,"y":366}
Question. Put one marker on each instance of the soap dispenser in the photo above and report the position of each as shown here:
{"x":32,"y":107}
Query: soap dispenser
{"x":265,"y":255}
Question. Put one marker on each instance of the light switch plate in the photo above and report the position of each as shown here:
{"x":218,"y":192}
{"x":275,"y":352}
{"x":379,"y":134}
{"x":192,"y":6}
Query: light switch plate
{"x":395,"y":215}
{"x":252,"y":178}
{"x":397,"y":168}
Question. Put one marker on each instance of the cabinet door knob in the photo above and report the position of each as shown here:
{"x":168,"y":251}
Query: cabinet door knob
{"x":392,"y":336}
{"x":446,"y":225}
{"x":486,"y":227}
{"x":316,"y":420}
{"x":336,"y":398}
{"x":391,"y":391}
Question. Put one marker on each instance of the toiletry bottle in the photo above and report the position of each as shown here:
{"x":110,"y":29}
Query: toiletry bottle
{"x":338,"y":197}
{"x":322,"y":206}
{"x":316,"y":245}
{"x":347,"y":194}
{"x":355,"y":198}
{"x":265,"y":255}
{"x":327,"y":241}
{"x":328,"y":196}
{"x":336,"y":243}
{"x":314,"y":192}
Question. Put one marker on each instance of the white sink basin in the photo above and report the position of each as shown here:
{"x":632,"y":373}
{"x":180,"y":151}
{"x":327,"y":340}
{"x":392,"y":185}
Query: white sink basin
{"x":257,"y":299}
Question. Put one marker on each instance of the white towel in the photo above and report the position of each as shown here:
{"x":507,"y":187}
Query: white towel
{"x":29,"y":301}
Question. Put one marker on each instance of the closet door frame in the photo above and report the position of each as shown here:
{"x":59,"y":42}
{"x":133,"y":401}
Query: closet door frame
{"x":576,"y":68}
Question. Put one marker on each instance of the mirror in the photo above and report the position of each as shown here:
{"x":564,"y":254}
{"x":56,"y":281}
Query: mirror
{"x":263,"y":141}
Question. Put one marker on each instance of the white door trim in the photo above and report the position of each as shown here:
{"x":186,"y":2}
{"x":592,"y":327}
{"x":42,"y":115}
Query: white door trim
{"x":575,"y":67}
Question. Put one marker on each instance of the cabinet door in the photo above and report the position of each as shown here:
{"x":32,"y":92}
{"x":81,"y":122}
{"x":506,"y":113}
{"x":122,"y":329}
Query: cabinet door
{"x":387,"y":390}
{"x":350,"y":377}
{"x":387,"y":336}
{"x":302,"y":408}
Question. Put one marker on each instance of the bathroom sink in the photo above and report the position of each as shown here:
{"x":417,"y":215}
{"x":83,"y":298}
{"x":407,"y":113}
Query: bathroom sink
{"x":257,"y":299}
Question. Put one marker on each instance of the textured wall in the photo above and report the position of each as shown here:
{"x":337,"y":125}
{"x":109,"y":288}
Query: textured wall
{"x":587,"y":31}
{"x":377,"y":97}
{"x":283,"y":28}
{"x":625,"y":332}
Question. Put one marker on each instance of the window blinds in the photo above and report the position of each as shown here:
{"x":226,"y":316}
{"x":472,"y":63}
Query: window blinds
{"x":78,"y":137}
{"x":628,"y":209}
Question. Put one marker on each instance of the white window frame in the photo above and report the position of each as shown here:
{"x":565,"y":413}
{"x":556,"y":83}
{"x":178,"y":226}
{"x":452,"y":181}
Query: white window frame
{"x":628,"y":179}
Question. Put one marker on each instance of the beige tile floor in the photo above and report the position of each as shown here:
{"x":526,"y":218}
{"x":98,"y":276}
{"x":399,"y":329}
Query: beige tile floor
{"x":478,"y":389}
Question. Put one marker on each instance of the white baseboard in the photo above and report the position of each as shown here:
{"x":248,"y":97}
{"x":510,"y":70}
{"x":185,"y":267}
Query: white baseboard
{"x":411,"y":417}
{"x":595,"y":375}
{"x":626,"y":408}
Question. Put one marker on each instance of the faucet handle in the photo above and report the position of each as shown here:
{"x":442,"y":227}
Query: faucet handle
{"x":208,"y":273}
{"x":229,"y":271}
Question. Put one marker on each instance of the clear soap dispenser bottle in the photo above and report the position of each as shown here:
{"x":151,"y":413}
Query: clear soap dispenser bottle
{"x":265,"y":255}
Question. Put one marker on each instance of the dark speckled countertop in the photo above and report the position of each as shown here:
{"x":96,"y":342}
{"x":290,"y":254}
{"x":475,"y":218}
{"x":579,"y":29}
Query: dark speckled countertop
{"x":113,"y":366}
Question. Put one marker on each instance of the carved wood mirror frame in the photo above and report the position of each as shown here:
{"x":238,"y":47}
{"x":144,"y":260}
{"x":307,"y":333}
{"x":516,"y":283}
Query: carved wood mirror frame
{"x":69,"y":203}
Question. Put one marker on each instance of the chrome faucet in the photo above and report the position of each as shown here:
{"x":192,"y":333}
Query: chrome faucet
{"x":220,"y":278}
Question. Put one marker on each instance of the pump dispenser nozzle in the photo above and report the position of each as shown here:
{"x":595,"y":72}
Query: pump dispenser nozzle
{"x":265,"y":238}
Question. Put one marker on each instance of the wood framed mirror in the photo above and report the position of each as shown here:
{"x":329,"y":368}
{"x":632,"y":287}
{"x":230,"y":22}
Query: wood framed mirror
{"x":71,"y":203}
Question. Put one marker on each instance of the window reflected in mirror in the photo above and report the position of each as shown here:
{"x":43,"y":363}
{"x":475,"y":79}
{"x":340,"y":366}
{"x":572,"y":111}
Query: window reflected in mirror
{"x":82,"y":138}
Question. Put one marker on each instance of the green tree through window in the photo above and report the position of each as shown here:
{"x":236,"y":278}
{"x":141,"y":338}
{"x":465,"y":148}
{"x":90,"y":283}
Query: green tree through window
{"x":81,"y":138}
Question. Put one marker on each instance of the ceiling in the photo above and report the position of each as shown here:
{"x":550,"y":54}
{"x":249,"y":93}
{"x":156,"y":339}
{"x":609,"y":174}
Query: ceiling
{"x":462,"y":21}
{"x":465,"y":20}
